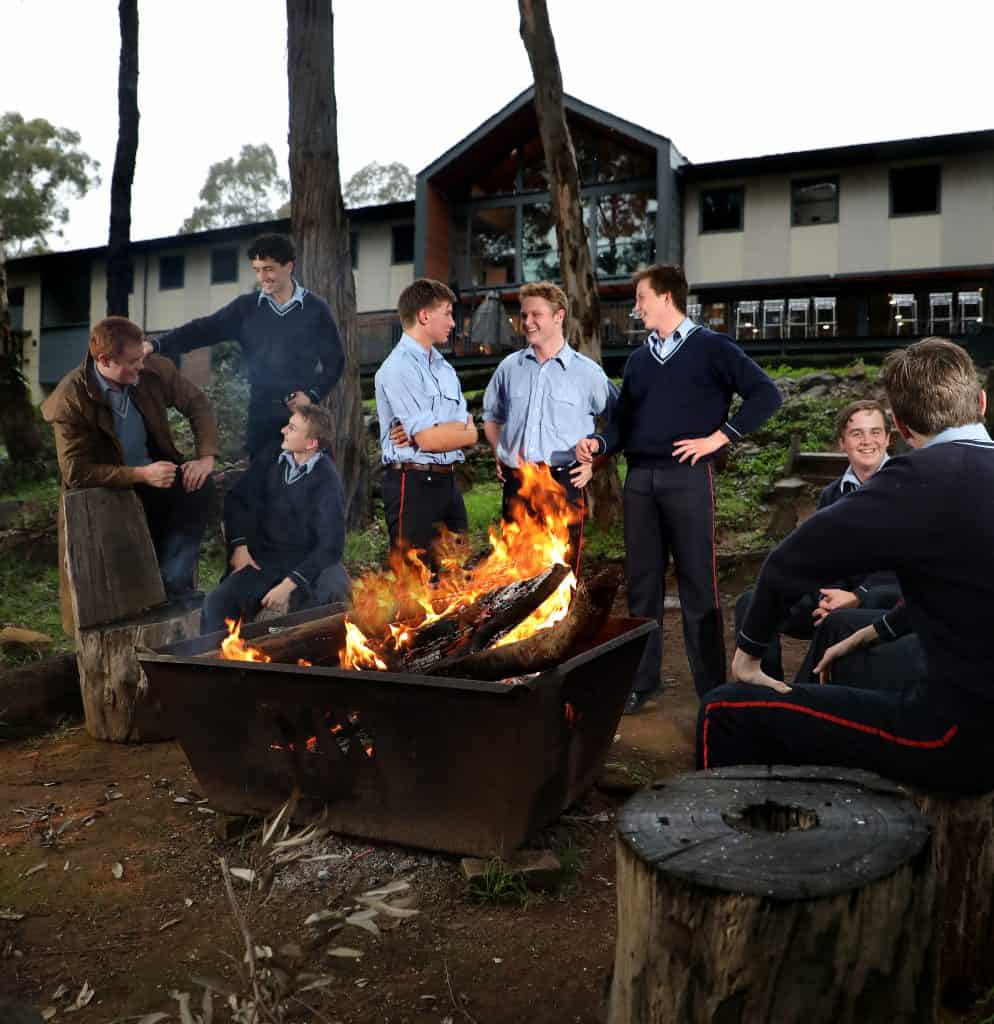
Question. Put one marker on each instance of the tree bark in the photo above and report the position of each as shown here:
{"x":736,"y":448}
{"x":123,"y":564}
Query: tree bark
{"x":576,"y":265}
{"x":320,"y":226}
{"x":762,"y":895}
{"x":118,"y":255}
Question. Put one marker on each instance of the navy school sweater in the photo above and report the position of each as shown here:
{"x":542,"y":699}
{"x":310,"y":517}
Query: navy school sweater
{"x":927,"y":516}
{"x":298,"y":528}
{"x":298,"y":351}
{"x":687,"y":396}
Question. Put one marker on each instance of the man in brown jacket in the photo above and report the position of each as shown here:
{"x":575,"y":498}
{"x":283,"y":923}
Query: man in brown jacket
{"x":112,"y":430}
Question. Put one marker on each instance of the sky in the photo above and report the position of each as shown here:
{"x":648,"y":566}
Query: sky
{"x":721,"y":79}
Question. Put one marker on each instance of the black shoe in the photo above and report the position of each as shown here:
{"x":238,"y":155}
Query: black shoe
{"x":637,"y":699}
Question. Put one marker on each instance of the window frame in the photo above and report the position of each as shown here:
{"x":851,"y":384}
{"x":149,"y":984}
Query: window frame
{"x":814,"y":179}
{"x":181,"y":257}
{"x":937,"y":167}
{"x":224,"y":249}
{"x":393,"y":243}
{"x":701,"y":230}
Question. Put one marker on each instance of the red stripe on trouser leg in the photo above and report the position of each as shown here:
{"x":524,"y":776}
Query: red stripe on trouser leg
{"x":846,"y":723}
{"x":714,"y":556}
{"x":579,"y":539}
{"x":400,"y":514}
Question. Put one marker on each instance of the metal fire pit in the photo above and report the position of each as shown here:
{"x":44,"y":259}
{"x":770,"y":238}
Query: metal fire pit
{"x":457,"y":765}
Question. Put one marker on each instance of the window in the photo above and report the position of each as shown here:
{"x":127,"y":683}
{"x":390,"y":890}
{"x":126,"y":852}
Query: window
{"x":15,"y":304}
{"x":171,"y":272}
{"x":491,"y":246}
{"x":224,"y":265}
{"x":354,"y":248}
{"x":814,"y":201}
{"x":539,"y":245}
{"x":403,"y":243}
{"x":721,"y":209}
{"x":626,"y":232}
{"x":914,"y":190}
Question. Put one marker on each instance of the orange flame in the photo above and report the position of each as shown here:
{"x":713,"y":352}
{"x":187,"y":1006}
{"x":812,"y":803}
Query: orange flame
{"x":234,"y":648}
{"x":392,"y":605}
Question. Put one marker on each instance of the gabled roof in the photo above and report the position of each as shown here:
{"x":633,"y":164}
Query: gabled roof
{"x":844,"y":156}
{"x":504,"y":130}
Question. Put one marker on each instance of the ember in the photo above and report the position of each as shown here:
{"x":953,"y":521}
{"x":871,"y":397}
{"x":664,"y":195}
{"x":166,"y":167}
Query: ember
{"x":394,"y":609}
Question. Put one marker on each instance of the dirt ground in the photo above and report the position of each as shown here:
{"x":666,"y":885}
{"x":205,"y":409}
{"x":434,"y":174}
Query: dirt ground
{"x":135,"y":938}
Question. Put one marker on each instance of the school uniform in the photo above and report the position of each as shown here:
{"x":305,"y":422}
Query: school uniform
{"x":291,"y":517}
{"x":676,"y":388}
{"x":544,"y":409}
{"x":418,"y":390}
{"x":924,"y":515}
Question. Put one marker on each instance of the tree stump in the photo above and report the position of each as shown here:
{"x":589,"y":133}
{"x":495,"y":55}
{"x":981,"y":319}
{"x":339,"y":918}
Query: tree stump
{"x":756,"y":895}
{"x":114,"y":582}
{"x":963,"y":839}
{"x":786,"y":494}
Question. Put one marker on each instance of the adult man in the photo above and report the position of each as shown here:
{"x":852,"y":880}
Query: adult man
{"x":671,"y":417}
{"x":285,"y":524}
{"x":418,"y":391}
{"x":291,"y":346}
{"x":861,"y":433}
{"x":926,"y":516}
{"x":541,"y":401}
{"x":111,"y":430}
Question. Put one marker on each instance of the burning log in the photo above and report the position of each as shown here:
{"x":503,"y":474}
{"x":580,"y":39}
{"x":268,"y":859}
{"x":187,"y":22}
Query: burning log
{"x":317,"y":640}
{"x":546,"y":648}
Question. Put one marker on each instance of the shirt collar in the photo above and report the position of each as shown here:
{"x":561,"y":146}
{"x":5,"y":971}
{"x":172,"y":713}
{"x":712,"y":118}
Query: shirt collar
{"x":107,"y":387}
{"x":683,"y":328}
{"x":564,"y":356}
{"x":409,"y":344}
{"x":299,"y":468}
{"x":849,"y":476}
{"x":299,"y":291}
{"x":969,"y":432}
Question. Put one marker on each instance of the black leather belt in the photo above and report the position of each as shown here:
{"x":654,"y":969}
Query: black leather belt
{"x":420,"y":467}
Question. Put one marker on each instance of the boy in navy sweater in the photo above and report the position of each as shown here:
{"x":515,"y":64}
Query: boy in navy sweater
{"x":285,"y":525}
{"x":926,"y":515}
{"x":671,"y":417}
{"x":292,"y":350}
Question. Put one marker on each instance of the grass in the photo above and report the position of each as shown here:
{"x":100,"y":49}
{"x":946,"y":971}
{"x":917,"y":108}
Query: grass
{"x":499,"y":885}
{"x":30,"y":600}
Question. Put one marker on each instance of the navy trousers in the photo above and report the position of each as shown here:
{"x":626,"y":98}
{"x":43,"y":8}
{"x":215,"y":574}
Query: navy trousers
{"x":417,"y":503}
{"x":934,"y":740}
{"x":574,"y":497}
{"x":670,"y":512}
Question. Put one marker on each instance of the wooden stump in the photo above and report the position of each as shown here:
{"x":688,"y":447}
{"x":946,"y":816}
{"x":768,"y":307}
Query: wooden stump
{"x":116,"y":699}
{"x":963,"y":838}
{"x":765,"y":896}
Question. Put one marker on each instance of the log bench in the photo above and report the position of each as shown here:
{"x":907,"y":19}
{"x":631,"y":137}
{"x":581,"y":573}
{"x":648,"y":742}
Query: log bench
{"x":118,"y":604}
{"x":755,"y":895}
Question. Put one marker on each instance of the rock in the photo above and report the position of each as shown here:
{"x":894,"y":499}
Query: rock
{"x":817,"y":379}
{"x":540,"y":869}
{"x":818,"y":391}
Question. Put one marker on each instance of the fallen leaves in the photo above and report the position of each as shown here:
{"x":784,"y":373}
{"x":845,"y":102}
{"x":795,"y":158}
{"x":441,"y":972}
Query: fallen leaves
{"x":117,"y":870}
{"x":35,"y":869}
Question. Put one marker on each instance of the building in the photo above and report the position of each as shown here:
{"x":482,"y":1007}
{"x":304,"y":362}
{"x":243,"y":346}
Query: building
{"x":849,"y":247}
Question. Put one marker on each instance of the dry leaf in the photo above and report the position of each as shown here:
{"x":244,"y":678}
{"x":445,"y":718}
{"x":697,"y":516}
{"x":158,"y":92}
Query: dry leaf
{"x":61,"y":991}
{"x":388,"y":890}
{"x":384,"y":908}
{"x":346,"y":952}
{"x":37,"y":867}
{"x":320,"y":916}
{"x":364,"y":920}
{"x":84,"y":998}
{"x":9,"y":914}
{"x":245,"y":874}
{"x":65,"y":867}
{"x":117,"y":870}
{"x":183,"y":998}
{"x":361,"y":982}
{"x":182,"y":800}
{"x":188,"y":902}
{"x":322,"y":982}
{"x":324,"y":856}
{"x":49,"y":1012}
{"x":169,"y":923}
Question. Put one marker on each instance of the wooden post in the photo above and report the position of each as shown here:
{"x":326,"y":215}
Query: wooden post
{"x":114,"y":582}
{"x":963,"y":837}
{"x":756,"y":895}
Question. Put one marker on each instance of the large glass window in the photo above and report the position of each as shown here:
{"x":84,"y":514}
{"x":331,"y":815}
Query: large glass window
{"x":814,"y":201}
{"x":491,"y":246}
{"x":171,"y":271}
{"x":224,"y":265}
{"x":539,"y":246}
{"x":721,"y":209}
{"x":625,"y":231}
{"x":402,"y":243}
{"x":914,"y":190}
{"x":602,"y":156}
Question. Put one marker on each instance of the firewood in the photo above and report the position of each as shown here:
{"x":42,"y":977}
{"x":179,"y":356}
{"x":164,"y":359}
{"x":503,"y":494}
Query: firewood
{"x":547,"y":648}
{"x":317,"y":637}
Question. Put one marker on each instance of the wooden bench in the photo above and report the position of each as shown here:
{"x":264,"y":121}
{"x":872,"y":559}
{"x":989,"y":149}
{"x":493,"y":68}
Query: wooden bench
{"x":118,"y":604}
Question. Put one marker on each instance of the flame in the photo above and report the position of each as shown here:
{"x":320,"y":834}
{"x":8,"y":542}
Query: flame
{"x":234,"y":648}
{"x":393,"y":605}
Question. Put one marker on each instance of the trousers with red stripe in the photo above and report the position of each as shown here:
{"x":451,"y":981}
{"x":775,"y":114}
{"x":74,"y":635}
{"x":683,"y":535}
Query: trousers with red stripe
{"x":670,"y":511}
{"x":940,"y":740}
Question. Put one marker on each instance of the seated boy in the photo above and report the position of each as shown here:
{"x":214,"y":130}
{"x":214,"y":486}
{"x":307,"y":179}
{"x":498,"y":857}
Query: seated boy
{"x":861,"y":429}
{"x":285,"y":526}
{"x":925,"y":515}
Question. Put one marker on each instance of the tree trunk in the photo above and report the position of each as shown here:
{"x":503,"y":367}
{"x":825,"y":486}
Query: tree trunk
{"x":321,"y":228}
{"x":762,"y":895}
{"x":119,"y":274}
{"x":576,"y":265}
{"x":19,"y":428}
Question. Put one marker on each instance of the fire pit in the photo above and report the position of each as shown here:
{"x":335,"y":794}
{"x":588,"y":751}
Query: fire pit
{"x":459,"y":765}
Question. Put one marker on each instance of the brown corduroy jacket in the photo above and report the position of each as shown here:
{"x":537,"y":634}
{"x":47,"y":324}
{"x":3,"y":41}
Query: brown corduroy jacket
{"x":89,"y":452}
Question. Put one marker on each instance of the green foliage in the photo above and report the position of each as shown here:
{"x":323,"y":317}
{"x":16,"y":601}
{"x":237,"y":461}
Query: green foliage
{"x":378,"y":183}
{"x":499,"y":884}
{"x":39,"y":166}
{"x":240,"y":191}
{"x":29,"y":597}
{"x":483,"y":502}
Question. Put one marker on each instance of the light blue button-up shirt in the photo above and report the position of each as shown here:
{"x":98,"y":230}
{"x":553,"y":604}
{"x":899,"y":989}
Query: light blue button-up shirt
{"x":296,"y":299}
{"x":975,"y":432}
{"x":294,"y":470}
{"x":421,"y":390}
{"x":545,"y":408}
{"x":663,"y":348}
